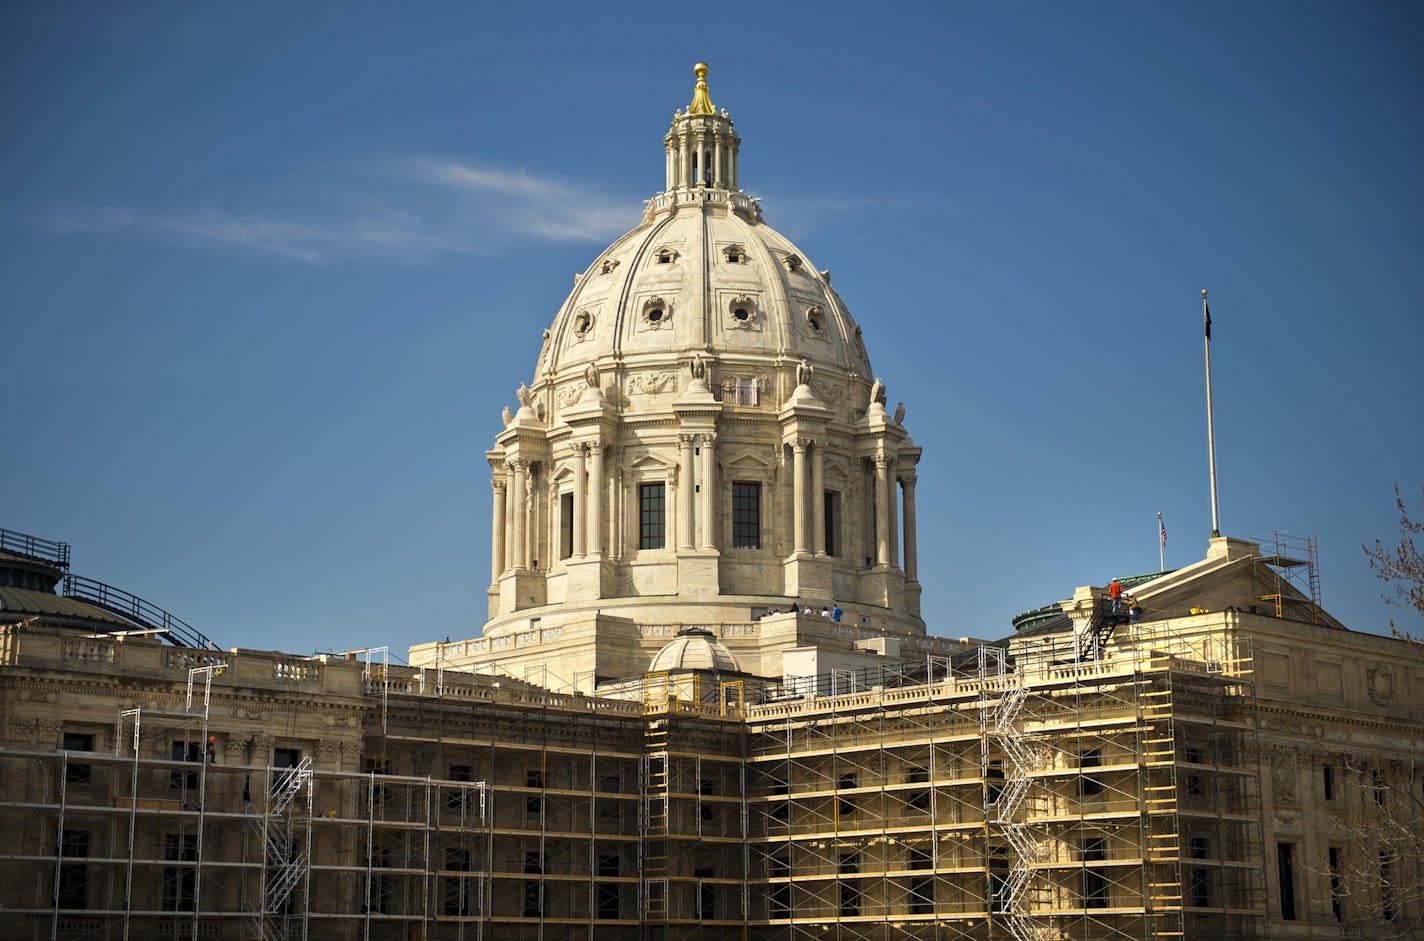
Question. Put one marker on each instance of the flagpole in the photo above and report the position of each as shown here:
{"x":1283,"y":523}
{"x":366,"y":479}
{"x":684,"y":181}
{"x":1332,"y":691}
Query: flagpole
{"x":1161,"y":544}
{"x":1210,"y":433}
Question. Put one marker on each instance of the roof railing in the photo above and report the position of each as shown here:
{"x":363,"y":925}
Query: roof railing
{"x":44,"y":550}
{"x":134,"y":608}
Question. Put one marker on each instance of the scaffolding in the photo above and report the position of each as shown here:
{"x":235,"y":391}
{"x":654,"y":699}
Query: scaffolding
{"x":1019,"y":792}
{"x":1288,"y":570}
{"x":1031,"y":794}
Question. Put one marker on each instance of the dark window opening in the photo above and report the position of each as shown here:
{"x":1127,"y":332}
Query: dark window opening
{"x":566,"y":525}
{"x":73,"y":877}
{"x":994,"y":781}
{"x":706,"y":895}
{"x":850,"y":862}
{"x":533,"y":862}
{"x":921,"y":896}
{"x":850,"y":899}
{"x":1389,"y":906}
{"x":779,"y":901}
{"x":1200,"y":888}
{"x":1089,"y":785}
{"x":456,"y":799}
{"x":609,"y":904}
{"x":457,"y":896}
{"x":78,"y":773}
{"x":1285,"y":877}
{"x":610,"y":864}
{"x":651,"y":515}
{"x":185,"y":751}
{"x":832,"y":505}
{"x":746,"y":515}
{"x":379,"y":793}
{"x":533,"y":900}
{"x":1095,"y":888}
{"x":1329,"y":782}
{"x":778,"y":866}
{"x":180,"y":883}
{"x":921,"y":859}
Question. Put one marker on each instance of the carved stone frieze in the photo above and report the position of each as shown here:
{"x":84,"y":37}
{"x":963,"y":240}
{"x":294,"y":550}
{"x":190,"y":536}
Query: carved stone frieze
{"x":651,"y":383}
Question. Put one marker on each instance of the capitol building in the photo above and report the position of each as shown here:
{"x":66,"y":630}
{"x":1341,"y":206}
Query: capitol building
{"x":704,"y":703}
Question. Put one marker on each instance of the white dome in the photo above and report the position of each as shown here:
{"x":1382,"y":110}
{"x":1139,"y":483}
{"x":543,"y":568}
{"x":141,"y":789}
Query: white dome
{"x":694,"y":648}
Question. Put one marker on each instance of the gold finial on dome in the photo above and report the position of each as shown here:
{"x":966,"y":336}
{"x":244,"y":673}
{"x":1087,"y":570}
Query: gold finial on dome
{"x":701,"y":100}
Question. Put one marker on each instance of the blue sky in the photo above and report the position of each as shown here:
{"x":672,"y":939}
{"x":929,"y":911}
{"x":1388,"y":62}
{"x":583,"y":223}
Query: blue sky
{"x":269,"y":272}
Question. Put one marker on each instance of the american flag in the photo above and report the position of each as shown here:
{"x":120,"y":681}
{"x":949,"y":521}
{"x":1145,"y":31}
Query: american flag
{"x":1162,"y":530}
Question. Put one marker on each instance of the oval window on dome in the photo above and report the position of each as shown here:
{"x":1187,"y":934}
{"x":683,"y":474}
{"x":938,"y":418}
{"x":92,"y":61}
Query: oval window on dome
{"x":816,"y":317}
{"x":741,"y":313}
{"x":583,"y":324}
{"x":656,"y":313}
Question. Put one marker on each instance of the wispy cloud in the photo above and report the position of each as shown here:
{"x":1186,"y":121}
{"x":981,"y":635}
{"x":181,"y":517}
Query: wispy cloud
{"x":406,"y":211}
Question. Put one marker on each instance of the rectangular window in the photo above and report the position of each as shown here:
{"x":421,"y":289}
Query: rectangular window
{"x":1329,"y":782}
{"x":1377,"y":787}
{"x":185,"y":751}
{"x":850,"y":898}
{"x":1200,"y":888}
{"x":745,"y":391}
{"x":566,"y":525}
{"x":778,"y":866}
{"x":179,"y":882}
{"x":533,"y":900}
{"x":746,"y":515}
{"x":921,"y":896}
{"x":832,"y":506}
{"x":456,"y":891}
{"x":380,"y":795}
{"x":845,"y":806}
{"x":610,"y":864}
{"x":1089,"y":785}
{"x":77,"y":773}
{"x":609,"y":905}
{"x":850,"y":862}
{"x":534,"y":862}
{"x":921,"y":859}
{"x":1285,"y":877}
{"x":994,"y":781}
{"x":1095,"y":888}
{"x":456,"y":798}
{"x":652,"y":516}
{"x":779,"y":901}
{"x":73,"y":877}
{"x":706,"y":895}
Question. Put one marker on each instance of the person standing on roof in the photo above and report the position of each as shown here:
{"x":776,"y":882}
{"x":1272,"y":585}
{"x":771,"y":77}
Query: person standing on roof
{"x":1115,"y":593}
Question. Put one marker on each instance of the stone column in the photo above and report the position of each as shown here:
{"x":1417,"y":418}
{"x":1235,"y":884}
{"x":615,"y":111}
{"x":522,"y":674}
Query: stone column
{"x":497,"y":531}
{"x":521,"y":515}
{"x":717,"y":174}
{"x":798,"y":493}
{"x":580,"y":510}
{"x":818,"y":500}
{"x":882,"y":510}
{"x":685,"y":537}
{"x":707,"y":472}
{"x":510,"y":507}
{"x":596,"y":499}
{"x":894,"y":518}
{"x":907,"y":484}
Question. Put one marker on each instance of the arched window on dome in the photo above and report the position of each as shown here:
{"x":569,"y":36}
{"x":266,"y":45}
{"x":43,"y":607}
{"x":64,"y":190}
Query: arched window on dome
{"x":735,"y":254}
